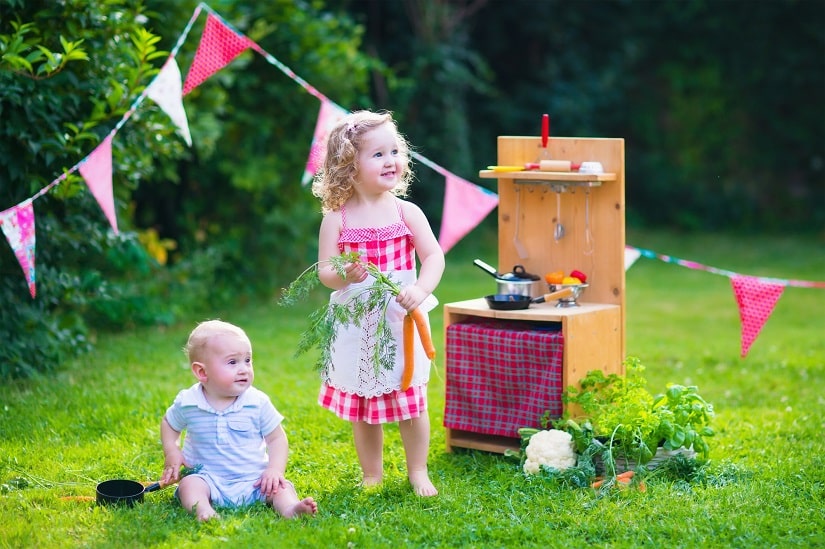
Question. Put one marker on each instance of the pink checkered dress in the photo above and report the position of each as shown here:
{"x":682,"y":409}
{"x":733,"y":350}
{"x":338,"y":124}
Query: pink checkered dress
{"x":351,"y":387}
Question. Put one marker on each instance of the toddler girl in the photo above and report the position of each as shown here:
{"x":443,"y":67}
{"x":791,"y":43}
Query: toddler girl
{"x":365,"y":171}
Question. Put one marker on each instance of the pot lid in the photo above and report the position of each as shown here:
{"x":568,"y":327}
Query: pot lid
{"x":520,"y":272}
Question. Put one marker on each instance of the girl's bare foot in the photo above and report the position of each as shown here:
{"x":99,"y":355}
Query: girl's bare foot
{"x":422,"y":484}
{"x":370,"y":480}
{"x":306,"y":506}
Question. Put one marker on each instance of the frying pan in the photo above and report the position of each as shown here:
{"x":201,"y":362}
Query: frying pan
{"x":123,"y":492}
{"x":128,"y":492}
{"x":513,"y":302}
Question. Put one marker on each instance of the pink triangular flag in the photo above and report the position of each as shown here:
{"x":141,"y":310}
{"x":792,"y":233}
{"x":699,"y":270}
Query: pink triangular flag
{"x":465,"y":206}
{"x":328,"y":116}
{"x":165,"y":90}
{"x":17,"y":224}
{"x":219,"y":45}
{"x":96,"y":169}
{"x":756,"y":300}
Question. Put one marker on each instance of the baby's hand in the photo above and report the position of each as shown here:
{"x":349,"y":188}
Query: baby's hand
{"x":270,"y":482}
{"x":171,"y":468}
{"x":410,"y":297}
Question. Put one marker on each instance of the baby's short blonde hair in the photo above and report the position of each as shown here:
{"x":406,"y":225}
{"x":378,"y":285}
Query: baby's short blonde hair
{"x":203,"y":333}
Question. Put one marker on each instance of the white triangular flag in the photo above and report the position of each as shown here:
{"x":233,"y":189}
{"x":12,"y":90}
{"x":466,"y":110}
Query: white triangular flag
{"x":165,"y":90}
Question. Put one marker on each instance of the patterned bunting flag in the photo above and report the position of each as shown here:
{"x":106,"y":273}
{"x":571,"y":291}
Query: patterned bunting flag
{"x":219,"y":45}
{"x":328,"y":116}
{"x":17,"y":224}
{"x":465,"y":206}
{"x":165,"y":90}
{"x":756,"y":300}
{"x":96,"y":169}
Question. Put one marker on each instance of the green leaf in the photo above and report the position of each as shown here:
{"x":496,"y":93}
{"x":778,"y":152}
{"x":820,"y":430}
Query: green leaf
{"x":17,"y":62}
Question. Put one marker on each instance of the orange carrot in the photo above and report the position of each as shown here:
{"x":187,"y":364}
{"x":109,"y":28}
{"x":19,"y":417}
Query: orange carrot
{"x":409,"y":352}
{"x":622,"y":478}
{"x":423,"y":332}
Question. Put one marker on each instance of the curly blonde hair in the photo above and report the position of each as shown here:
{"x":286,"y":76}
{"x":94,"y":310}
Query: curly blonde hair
{"x":334,"y":182}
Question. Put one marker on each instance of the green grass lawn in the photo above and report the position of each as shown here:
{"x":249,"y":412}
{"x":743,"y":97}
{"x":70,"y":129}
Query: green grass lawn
{"x":98,"y":418}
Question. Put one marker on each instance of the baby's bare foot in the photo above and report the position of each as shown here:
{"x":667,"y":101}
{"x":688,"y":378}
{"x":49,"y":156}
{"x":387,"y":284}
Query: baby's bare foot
{"x":306,"y":506}
{"x":204,"y":515}
{"x":422,"y":484}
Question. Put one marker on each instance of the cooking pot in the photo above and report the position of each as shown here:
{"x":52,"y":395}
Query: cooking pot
{"x":123,"y":492}
{"x":518,"y":282}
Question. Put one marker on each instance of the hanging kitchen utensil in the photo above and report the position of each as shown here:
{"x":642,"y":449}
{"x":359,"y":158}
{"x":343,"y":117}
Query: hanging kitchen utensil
{"x":520,"y":249}
{"x":588,"y":235}
{"x":558,"y":231}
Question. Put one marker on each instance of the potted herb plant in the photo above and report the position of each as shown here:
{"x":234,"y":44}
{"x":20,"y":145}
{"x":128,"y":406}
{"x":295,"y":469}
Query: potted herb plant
{"x":633,"y":425}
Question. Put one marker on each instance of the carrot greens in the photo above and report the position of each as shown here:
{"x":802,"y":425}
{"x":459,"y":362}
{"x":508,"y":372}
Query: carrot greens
{"x":360,"y":303}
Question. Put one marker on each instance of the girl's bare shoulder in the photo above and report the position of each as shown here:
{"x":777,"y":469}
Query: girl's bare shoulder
{"x":410,"y":209}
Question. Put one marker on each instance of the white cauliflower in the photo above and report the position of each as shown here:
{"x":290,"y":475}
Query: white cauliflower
{"x":553,"y":448}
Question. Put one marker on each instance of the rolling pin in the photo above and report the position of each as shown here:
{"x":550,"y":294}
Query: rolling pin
{"x":543,"y":166}
{"x":554,"y":166}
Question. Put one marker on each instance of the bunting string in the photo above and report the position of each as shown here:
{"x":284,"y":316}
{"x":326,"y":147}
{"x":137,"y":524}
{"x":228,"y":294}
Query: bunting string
{"x":730,"y":274}
{"x":465,"y":204}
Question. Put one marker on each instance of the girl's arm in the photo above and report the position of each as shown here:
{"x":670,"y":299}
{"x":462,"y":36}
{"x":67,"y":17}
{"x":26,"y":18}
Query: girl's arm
{"x":429,"y":254}
{"x":328,"y":247}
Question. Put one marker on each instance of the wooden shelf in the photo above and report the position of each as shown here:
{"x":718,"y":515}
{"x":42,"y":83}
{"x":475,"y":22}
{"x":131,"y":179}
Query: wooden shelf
{"x":537,"y":312}
{"x":537,"y":176}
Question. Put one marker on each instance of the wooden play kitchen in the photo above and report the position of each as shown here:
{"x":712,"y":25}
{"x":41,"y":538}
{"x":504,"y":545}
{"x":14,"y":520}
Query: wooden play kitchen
{"x":504,"y":368}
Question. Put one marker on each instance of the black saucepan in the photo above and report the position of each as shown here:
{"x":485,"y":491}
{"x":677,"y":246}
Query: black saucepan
{"x":514,"y":302}
{"x":518,"y":274}
{"x":123,"y":492}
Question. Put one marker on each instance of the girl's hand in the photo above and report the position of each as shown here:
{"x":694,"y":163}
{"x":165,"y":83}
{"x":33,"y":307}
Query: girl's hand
{"x":355,"y":272}
{"x":270,"y":482}
{"x":410,"y":297}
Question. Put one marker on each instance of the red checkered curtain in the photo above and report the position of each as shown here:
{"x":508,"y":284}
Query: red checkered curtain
{"x":502,"y":377}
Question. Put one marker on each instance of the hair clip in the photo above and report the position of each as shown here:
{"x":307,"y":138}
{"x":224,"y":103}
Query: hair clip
{"x":350,"y":127}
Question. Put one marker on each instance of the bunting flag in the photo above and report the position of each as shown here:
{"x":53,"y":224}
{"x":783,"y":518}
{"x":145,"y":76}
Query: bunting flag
{"x":328,"y":116}
{"x":17,"y":224}
{"x":465,"y":206}
{"x":97,"y":171}
{"x":756,"y":300}
{"x":219,"y":45}
{"x":630,"y":256}
{"x":165,"y":90}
